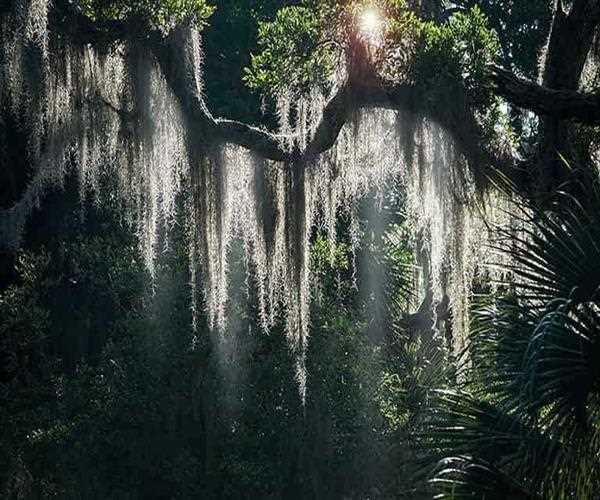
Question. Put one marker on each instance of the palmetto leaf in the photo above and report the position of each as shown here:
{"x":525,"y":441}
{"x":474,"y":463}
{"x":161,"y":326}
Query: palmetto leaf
{"x":558,"y":253}
{"x":500,"y":334}
{"x":526,"y":422}
{"x":462,"y":424}
{"x":562,"y":363}
{"x":464,"y":477}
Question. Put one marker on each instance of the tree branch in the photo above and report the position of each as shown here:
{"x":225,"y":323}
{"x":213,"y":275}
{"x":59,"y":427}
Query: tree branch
{"x":266,"y":144}
{"x":424,"y":319}
{"x":570,"y":42}
{"x":176,"y":60}
{"x":560,"y":104}
{"x":184,"y":82}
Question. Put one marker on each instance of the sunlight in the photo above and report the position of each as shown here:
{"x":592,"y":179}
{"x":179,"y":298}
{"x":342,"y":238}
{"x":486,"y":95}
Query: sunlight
{"x":371,"y":25}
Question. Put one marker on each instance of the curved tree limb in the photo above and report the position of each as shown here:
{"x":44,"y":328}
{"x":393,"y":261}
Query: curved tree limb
{"x":559,"y":104}
{"x":428,"y":316}
{"x":266,"y":144}
{"x":364,"y":91}
{"x":357,"y":93}
{"x":557,"y":98}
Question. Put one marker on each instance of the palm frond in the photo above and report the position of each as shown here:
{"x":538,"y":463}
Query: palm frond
{"x":464,"y":477}
{"x":561,"y":364}
{"x":557,"y":253}
{"x":462,"y":424}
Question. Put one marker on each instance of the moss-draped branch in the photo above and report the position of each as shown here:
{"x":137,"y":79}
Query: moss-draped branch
{"x":456,"y":114}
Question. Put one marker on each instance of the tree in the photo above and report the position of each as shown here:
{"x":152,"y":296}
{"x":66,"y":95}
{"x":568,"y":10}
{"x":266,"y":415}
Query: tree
{"x":582,"y":18}
{"x":135,"y":106}
{"x":463,"y":46}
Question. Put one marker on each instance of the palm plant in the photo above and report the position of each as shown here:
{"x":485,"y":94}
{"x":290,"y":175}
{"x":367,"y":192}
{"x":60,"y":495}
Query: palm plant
{"x":525,"y":421}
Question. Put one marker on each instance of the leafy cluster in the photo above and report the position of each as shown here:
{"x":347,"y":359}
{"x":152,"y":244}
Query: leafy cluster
{"x":158,"y":14}
{"x":457,"y":53}
{"x":292,"y":53}
{"x":522,"y":27}
{"x":303,"y":45}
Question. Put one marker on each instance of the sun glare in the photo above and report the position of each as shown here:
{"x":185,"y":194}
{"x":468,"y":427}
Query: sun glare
{"x":371,"y":25}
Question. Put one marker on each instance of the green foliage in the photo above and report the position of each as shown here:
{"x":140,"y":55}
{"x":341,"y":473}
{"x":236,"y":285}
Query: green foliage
{"x":24,"y":317}
{"x":108,"y":393}
{"x":293,"y":56}
{"x":531,"y":402}
{"x":522,"y":27}
{"x":159,"y":14}
{"x":325,"y":257}
{"x":457,"y":53}
{"x":405,"y":394}
{"x":228,"y":42}
{"x":110,"y":400}
{"x":57,"y":316}
{"x":462,"y":477}
{"x":304,"y":46}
